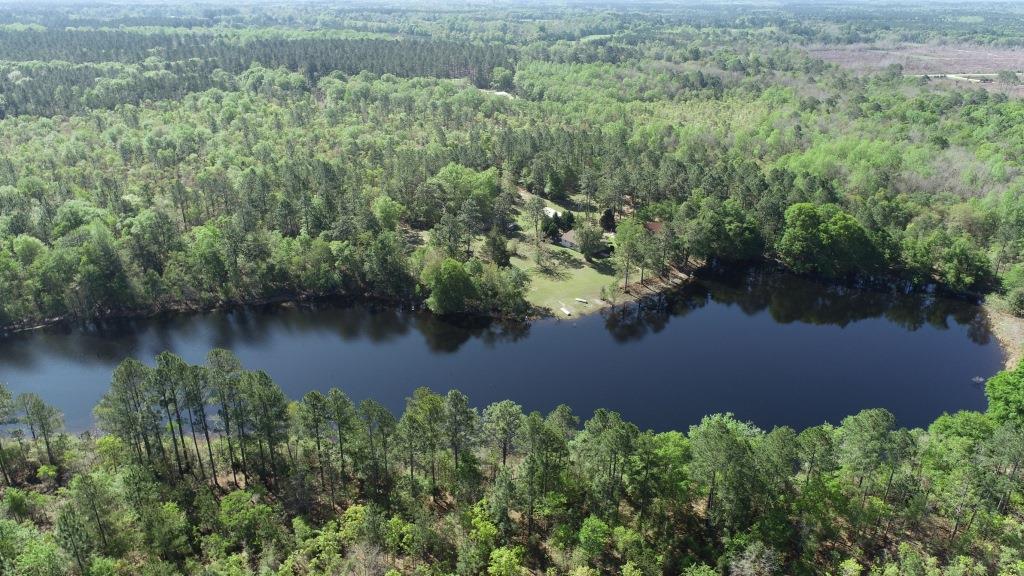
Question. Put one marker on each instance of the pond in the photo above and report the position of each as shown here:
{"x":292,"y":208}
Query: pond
{"x":771,"y":348}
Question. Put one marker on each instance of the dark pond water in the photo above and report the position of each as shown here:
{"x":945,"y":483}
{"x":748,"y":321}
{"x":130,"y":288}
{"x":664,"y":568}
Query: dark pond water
{"x":770,"y":348}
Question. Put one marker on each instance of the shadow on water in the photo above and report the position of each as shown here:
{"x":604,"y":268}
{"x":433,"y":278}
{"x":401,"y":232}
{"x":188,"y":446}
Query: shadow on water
{"x":770,"y":347}
{"x":793,"y":299}
{"x":786,"y":298}
{"x":109,"y":341}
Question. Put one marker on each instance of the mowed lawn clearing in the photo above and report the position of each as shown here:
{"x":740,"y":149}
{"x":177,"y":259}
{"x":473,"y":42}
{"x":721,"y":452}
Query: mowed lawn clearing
{"x":564,"y":274}
{"x":563,"y":277}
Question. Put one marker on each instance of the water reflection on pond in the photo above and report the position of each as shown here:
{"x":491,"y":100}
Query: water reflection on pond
{"x":772,"y":348}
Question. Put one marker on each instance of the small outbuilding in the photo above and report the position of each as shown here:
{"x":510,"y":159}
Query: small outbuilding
{"x":568,"y":240}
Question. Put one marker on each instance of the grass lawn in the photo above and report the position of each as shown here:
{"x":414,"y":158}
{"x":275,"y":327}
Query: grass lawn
{"x":565,"y":275}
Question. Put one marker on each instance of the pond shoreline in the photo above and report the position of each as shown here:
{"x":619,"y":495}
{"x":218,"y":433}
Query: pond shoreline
{"x":1008,"y":330}
{"x":794,"y":334}
{"x":651,"y":287}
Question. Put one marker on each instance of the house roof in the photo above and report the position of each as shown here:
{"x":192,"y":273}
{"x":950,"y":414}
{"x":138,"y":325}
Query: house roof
{"x":654,"y":226}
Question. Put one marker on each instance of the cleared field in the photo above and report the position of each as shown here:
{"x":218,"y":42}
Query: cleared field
{"x":564,"y":275}
{"x":923,"y":58}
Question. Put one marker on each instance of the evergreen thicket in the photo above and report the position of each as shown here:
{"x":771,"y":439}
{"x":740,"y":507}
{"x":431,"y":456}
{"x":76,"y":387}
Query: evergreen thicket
{"x":210,"y":469}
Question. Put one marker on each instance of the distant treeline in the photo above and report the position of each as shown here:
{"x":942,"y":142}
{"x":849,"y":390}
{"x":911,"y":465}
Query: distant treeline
{"x":68,"y":71}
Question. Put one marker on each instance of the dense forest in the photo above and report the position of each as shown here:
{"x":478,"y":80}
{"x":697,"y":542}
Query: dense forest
{"x":209,"y":469}
{"x":156,"y":158}
{"x":167,"y":158}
